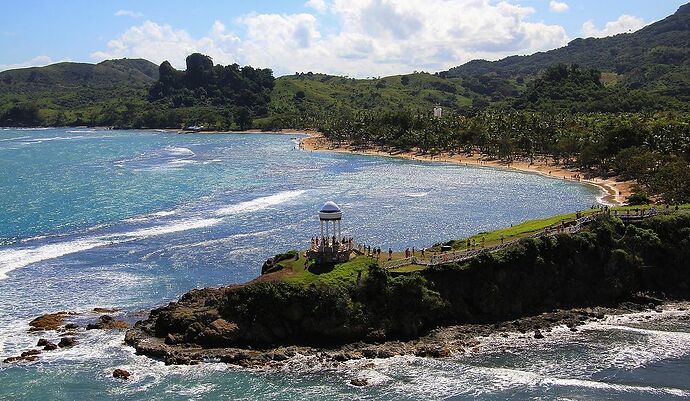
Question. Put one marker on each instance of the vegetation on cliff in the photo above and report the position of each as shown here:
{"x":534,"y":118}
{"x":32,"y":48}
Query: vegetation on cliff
{"x":606,"y":265}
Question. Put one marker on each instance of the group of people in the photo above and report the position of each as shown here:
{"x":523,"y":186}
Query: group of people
{"x":413,"y":252}
{"x":323,"y":242}
{"x":472,"y":243}
{"x":369,"y":251}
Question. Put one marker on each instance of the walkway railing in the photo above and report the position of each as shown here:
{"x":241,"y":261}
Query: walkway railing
{"x":456,"y":257}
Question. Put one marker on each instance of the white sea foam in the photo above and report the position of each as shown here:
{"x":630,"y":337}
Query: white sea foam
{"x":179,"y":151}
{"x":29,"y":141}
{"x":508,"y":378}
{"x":54,"y":138}
{"x":224,"y":240}
{"x":15,"y":258}
{"x":164,"y":213}
{"x":14,"y":139}
{"x":11,"y":259}
{"x":151,"y":216}
{"x":259,"y":203}
{"x":183,"y":225}
{"x":183,"y":162}
{"x":417,"y":194}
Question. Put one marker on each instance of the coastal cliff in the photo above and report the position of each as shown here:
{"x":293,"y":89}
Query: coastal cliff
{"x":565,"y":276}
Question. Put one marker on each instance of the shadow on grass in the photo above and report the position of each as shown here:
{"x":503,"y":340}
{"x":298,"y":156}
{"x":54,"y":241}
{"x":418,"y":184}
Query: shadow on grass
{"x":321,"y":268}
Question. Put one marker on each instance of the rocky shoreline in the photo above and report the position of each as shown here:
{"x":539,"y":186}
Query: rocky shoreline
{"x":563,"y":281}
{"x":61,"y":330}
{"x":441,"y":342}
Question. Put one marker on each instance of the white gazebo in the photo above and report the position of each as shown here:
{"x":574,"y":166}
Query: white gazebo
{"x":330,"y":246}
{"x":330,"y":215}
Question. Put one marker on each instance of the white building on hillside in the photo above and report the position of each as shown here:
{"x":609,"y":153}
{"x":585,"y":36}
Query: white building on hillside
{"x":438,"y":112}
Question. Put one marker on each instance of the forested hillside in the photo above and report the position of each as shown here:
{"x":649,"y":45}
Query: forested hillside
{"x":646,"y":71}
{"x":655,"y":58}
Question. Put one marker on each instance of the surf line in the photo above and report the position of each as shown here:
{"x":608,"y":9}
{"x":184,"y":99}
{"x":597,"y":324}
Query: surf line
{"x":15,"y":258}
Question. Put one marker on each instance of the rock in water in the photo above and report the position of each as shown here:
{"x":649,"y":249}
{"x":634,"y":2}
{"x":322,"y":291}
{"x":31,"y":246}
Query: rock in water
{"x":105,"y":310}
{"x":538,"y":335}
{"x":50,"y":346}
{"x":359,"y":382}
{"x":49,"y":321}
{"x":107,"y":322}
{"x":26,"y":356}
{"x":30,"y":352}
{"x":66,"y":342}
{"x":121,"y":374}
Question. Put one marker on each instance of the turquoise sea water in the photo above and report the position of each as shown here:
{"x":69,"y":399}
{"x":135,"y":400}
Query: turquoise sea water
{"x":132,"y":220}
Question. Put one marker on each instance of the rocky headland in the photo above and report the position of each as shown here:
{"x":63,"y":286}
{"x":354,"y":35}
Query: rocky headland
{"x":541,"y":283}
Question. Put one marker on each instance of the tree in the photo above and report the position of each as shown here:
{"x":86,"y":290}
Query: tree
{"x":199,"y":69}
{"x":243,"y":118}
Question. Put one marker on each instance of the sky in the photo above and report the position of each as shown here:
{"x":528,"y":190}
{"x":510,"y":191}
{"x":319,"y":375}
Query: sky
{"x":356,"y":38}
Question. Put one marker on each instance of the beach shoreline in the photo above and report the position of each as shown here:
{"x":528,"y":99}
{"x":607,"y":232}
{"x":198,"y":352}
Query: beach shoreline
{"x":614,"y":193}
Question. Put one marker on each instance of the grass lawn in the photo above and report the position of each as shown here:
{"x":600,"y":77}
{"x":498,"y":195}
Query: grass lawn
{"x":523,"y":229}
{"x":343,"y":274}
{"x":408,"y":269}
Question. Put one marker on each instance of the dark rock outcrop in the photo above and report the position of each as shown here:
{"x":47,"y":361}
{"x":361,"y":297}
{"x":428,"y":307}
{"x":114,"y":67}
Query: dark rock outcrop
{"x":66,"y":342}
{"x":49,"y":321}
{"x":107,"y":322}
{"x":47,"y":345}
{"x":121,"y":374}
{"x":359,"y":382}
{"x":26,"y":356}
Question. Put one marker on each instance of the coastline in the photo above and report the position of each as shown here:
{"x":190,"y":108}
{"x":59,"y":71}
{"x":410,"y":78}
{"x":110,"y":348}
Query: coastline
{"x":440,"y":342}
{"x":614,"y":193}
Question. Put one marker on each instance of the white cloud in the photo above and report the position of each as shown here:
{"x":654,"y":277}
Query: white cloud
{"x":158,"y":43}
{"x":558,"y":6}
{"x":624,"y":24}
{"x":318,"y":5}
{"x":128,"y":13}
{"x":370,"y":37}
{"x":38,"y":61}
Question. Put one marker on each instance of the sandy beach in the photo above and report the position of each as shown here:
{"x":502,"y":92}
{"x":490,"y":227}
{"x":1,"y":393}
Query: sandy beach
{"x":614,"y":193}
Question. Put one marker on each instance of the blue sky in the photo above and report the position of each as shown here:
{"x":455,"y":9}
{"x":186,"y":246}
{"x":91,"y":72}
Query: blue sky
{"x":349,"y":37}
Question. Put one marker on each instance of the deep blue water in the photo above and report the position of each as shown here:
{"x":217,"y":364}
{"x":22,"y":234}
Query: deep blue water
{"x":132,"y":220}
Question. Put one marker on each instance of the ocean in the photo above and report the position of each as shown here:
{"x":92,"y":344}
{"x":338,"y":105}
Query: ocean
{"x":134,"y":219}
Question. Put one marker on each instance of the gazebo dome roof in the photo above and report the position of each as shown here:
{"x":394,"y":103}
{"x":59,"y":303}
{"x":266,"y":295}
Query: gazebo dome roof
{"x":330,"y":207}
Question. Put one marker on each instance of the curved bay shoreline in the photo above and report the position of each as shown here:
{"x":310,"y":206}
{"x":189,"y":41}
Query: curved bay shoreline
{"x":614,"y":192}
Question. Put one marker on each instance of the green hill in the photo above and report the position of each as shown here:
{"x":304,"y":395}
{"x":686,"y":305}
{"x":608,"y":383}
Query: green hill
{"x":301,"y":99}
{"x":655,"y":58}
{"x":65,"y":93}
{"x":128,"y":72}
{"x":644,"y":71}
